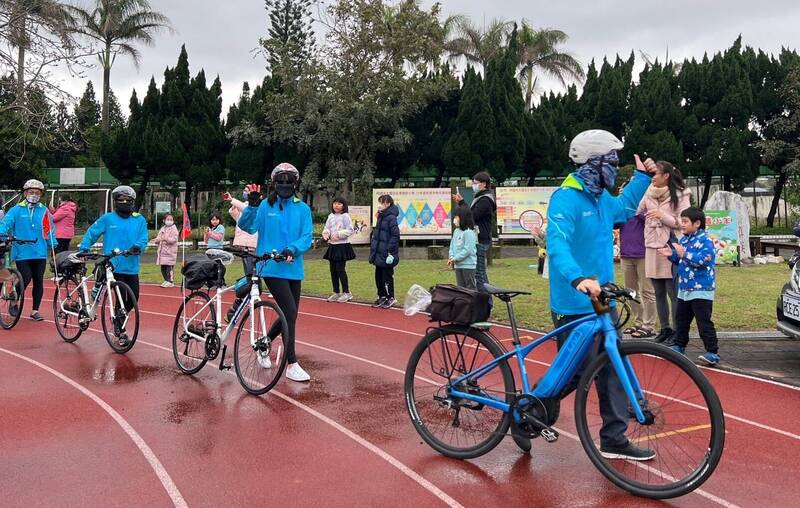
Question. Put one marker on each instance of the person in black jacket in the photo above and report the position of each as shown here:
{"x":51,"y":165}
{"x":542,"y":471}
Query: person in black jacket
{"x":384,"y":250}
{"x":483,"y":209}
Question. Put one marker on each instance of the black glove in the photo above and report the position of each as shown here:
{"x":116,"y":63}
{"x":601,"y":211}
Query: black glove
{"x":135,"y":250}
{"x":286,"y":253}
{"x":254,"y":198}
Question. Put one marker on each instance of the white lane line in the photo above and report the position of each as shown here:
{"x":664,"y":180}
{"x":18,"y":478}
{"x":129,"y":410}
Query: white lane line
{"x":155,"y":464}
{"x":410,"y":473}
{"x":527,"y":330}
{"x":530,"y":360}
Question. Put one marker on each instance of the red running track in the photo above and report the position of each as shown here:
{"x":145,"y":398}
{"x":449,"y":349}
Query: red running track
{"x":82,"y":425}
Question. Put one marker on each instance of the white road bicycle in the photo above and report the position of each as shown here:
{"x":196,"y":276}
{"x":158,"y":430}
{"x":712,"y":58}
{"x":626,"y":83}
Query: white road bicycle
{"x":75,"y":305}
{"x":198,"y":335}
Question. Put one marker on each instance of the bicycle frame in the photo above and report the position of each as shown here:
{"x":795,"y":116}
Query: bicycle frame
{"x":91,"y":307}
{"x":569,"y":358}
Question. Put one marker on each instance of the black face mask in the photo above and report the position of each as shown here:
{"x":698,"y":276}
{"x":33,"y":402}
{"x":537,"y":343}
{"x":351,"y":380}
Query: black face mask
{"x":123,"y":208}
{"x":284,"y":190}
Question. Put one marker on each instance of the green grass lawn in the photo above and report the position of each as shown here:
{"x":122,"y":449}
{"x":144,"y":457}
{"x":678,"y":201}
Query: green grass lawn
{"x":745,"y":296}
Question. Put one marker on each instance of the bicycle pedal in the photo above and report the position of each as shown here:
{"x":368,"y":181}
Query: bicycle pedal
{"x":226,"y":367}
{"x":550,"y":435}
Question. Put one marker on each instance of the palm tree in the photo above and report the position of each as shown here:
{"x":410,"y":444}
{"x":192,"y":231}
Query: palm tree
{"x":477,"y":46}
{"x":52,"y":15}
{"x":539,"y":52}
{"x":116,"y":25}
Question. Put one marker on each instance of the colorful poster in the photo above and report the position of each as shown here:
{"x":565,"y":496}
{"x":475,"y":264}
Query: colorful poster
{"x":512,"y":202}
{"x":721,"y":227}
{"x":362,"y":225}
{"x":422,"y":211}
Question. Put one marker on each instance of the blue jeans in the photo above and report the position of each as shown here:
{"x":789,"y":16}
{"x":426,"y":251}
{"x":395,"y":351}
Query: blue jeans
{"x":481,"y":277}
{"x":611,"y":395}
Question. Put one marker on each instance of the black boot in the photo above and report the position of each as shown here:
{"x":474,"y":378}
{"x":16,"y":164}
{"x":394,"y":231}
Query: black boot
{"x":664,"y":335}
{"x":523,"y":442}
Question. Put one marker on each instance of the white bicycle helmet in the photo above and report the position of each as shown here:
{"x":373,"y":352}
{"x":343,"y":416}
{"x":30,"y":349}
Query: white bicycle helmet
{"x":592,"y":143}
{"x":283,"y":168}
{"x":123,"y":191}
{"x":33,"y":184}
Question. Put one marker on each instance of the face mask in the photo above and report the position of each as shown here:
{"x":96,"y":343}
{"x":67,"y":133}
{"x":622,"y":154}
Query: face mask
{"x":284,"y":190}
{"x":476,"y":187}
{"x":123,"y":208}
{"x":169,"y":223}
{"x":33,"y":199}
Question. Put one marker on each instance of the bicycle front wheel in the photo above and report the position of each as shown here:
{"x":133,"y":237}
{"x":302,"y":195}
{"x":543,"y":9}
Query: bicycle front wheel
{"x":120,"y":316}
{"x":68,"y":306}
{"x":12,"y":298}
{"x":260,"y":350}
{"x":195,"y":318}
{"x":687,"y":433}
{"x":454,"y":427}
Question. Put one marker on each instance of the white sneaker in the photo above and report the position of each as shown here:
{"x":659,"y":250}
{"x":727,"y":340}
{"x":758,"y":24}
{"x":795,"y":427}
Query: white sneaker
{"x":164,"y":284}
{"x":334,"y":297}
{"x":169,"y":285}
{"x":262,"y":357}
{"x":296,"y":373}
{"x":346,"y":297}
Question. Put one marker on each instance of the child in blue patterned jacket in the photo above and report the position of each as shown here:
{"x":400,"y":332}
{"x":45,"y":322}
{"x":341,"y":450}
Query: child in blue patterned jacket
{"x":694,"y":254}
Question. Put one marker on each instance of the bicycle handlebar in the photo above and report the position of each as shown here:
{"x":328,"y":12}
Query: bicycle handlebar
{"x":94,"y":256}
{"x":274,"y":255}
{"x":11,"y":239}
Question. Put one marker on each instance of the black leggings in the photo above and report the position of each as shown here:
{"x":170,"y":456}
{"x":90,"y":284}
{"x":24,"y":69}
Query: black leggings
{"x":133,"y":282}
{"x":63,"y":244}
{"x":33,"y":269}
{"x":166,"y":272}
{"x":287,"y":295}
{"x":339,"y":273}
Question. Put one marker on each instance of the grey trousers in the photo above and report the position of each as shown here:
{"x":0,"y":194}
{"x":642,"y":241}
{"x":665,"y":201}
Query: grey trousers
{"x":465,"y":277}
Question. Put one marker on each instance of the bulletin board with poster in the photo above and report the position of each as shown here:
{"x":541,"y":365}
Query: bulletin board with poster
{"x":362,"y":225}
{"x":424,"y":213}
{"x":721,"y":227}
{"x":519,"y":209}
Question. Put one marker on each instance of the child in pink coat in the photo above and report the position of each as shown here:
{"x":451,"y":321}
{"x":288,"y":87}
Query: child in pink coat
{"x":167,"y":253}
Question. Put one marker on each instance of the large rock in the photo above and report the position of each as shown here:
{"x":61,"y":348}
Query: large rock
{"x":724,"y":200}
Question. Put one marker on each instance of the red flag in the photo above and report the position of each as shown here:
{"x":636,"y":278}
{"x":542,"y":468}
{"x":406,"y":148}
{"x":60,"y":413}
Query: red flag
{"x":187,"y":223}
{"x":46,"y":226}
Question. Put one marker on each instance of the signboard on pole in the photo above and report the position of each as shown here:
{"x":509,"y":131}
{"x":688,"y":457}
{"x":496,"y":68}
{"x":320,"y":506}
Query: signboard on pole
{"x":423,"y":212}
{"x":72,"y":176}
{"x":521,"y":207}
{"x":362,"y":224}
{"x":721,"y":226}
{"x":163,"y":207}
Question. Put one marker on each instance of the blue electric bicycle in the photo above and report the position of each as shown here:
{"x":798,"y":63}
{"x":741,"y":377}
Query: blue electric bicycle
{"x":462,"y":398}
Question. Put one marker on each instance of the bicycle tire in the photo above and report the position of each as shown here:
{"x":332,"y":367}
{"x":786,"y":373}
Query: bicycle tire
{"x":178,"y":339}
{"x":72,"y":332}
{"x":247,"y":369}
{"x":111,"y":335}
{"x":7,"y":319}
{"x":711,"y":452}
{"x":417,"y":407}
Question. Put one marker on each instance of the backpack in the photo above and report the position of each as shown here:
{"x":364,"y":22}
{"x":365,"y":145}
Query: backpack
{"x":454,"y":304}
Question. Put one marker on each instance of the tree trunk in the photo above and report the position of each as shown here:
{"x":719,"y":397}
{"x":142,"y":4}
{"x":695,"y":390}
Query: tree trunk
{"x":529,"y":91}
{"x":532,"y":178}
{"x":776,"y":198}
{"x":20,"y":98}
{"x":141,"y":192}
{"x":707,"y":179}
{"x":18,"y":31}
{"x":727,"y":183}
{"x":106,"y":86}
{"x":188,"y":194}
{"x":440,"y":169}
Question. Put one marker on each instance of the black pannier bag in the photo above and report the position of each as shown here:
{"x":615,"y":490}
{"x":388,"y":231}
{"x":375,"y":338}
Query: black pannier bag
{"x":201,"y":271}
{"x":454,"y":304}
{"x":66,"y":266}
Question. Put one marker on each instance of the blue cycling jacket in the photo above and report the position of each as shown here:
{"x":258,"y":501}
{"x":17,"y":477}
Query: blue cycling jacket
{"x":25,"y":223}
{"x":284,"y":225}
{"x":580,"y":239}
{"x":118,"y":233}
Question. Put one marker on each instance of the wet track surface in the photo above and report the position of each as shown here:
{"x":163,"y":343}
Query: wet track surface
{"x":342,"y":439}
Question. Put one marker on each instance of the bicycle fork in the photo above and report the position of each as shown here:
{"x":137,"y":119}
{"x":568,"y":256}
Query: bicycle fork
{"x":625,"y":373}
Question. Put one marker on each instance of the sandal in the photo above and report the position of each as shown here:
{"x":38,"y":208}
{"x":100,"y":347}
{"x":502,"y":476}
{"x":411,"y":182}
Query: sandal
{"x":630,"y":330}
{"x":643,"y":333}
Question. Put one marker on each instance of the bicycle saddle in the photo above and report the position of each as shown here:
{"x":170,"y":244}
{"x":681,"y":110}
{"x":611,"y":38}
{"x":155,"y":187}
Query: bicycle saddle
{"x":493,"y":290}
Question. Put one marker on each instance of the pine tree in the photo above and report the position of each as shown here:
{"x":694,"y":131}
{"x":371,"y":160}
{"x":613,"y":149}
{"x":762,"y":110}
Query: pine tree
{"x":290,"y":40}
{"x":87,"y":112}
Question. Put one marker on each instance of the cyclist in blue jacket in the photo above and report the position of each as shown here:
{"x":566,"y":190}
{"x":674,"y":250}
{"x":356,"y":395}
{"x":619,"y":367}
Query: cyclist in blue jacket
{"x":121,"y":229}
{"x":283,"y":223}
{"x":581,"y":218}
{"x":25,"y":221}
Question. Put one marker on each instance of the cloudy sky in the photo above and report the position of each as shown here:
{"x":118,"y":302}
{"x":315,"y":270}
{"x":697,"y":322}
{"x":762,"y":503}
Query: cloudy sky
{"x":220,"y":36}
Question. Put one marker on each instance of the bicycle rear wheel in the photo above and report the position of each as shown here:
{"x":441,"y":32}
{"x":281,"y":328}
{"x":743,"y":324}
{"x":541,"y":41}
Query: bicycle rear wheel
{"x":12,"y":297}
{"x":68,"y":299}
{"x":454,"y":427}
{"x":120,"y":317}
{"x":198,"y":317}
{"x":688,"y":429}
{"x":259,"y":360}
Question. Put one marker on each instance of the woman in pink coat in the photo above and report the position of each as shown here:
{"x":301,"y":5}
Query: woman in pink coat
{"x":167,"y":254}
{"x":661,"y":207}
{"x":64,"y":217}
